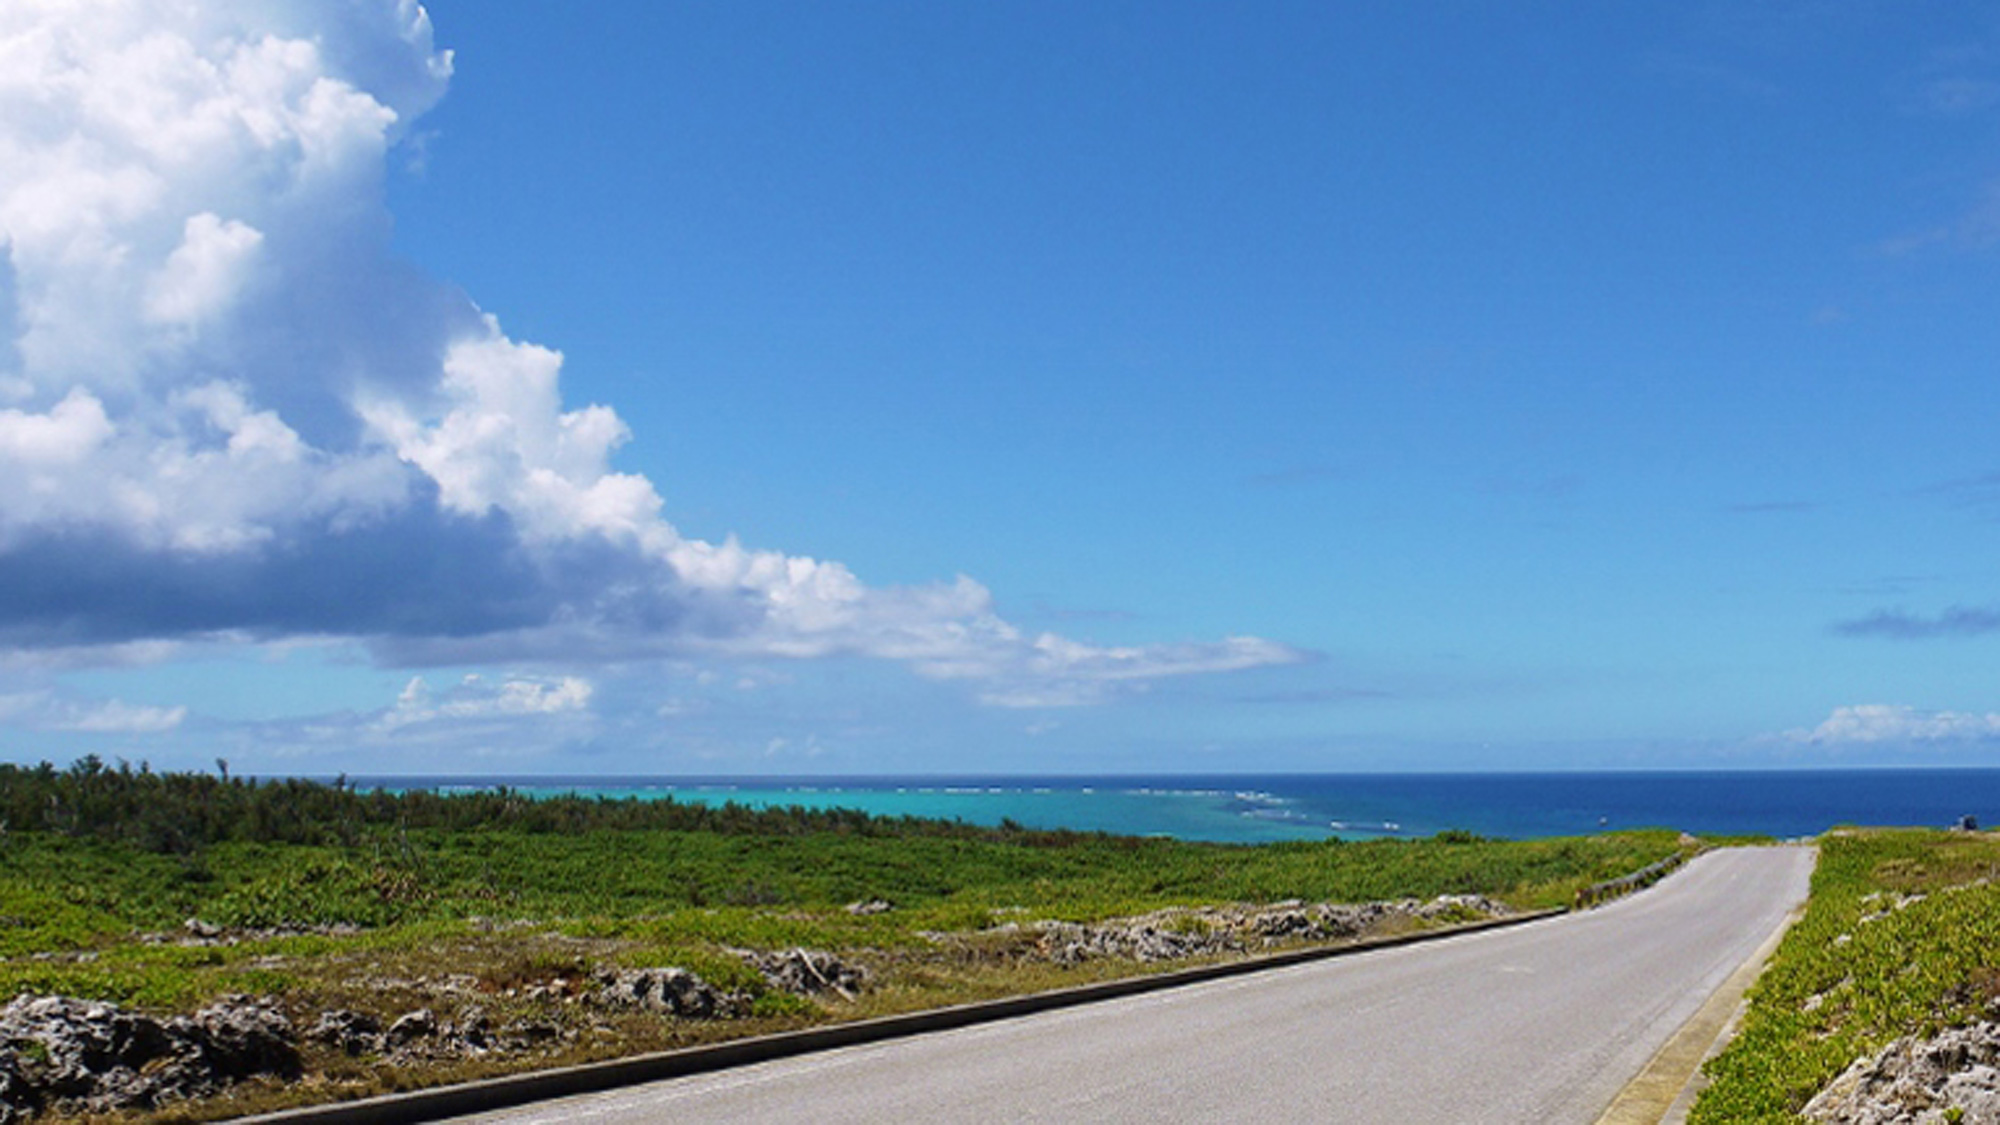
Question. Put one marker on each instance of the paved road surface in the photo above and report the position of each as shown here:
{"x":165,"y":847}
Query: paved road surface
{"x":1540,"y":1023}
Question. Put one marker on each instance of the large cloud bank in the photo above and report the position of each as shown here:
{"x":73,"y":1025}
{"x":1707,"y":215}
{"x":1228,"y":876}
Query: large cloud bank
{"x":226,"y":410}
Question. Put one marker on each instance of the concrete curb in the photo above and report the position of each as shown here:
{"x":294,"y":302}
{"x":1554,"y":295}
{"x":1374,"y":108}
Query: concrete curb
{"x":1664,"y":1090}
{"x":1677,"y":1113}
{"x":520,"y":1089}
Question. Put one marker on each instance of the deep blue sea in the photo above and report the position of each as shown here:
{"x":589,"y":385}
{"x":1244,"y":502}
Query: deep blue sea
{"x":1257,"y":808}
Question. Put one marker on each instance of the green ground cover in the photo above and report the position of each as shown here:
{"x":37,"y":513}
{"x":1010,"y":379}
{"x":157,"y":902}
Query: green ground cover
{"x":382,"y":903}
{"x":680,"y":892}
{"x":1901,"y":937}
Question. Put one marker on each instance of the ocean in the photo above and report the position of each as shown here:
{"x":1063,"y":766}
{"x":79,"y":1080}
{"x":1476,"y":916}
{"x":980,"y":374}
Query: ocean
{"x":1262,"y":808}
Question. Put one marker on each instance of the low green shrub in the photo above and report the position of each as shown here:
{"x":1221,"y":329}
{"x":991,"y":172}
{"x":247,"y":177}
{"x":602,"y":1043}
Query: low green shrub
{"x":1901,"y":937}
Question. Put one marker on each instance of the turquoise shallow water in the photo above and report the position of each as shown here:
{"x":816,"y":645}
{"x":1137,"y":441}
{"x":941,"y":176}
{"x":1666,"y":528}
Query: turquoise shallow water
{"x":1263,"y":808}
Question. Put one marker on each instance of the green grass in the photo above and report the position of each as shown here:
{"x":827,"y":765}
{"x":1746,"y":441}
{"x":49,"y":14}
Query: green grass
{"x":64,"y":893}
{"x":674,"y":894}
{"x":384,"y":903}
{"x":1868,"y":963}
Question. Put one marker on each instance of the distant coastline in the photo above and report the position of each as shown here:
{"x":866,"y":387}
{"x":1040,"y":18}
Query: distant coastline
{"x":1275,"y":807}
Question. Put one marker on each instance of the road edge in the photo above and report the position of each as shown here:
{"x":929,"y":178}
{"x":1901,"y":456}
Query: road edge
{"x":1665,"y":1088}
{"x":543,"y":1085}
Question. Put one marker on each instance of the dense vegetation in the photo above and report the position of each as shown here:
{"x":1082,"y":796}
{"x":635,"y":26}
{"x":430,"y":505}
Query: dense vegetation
{"x":166,"y":891}
{"x":179,"y":813}
{"x":93,"y":857}
{"x":1901,"y":937}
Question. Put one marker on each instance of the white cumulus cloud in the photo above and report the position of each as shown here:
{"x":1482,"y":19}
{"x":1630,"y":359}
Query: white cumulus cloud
{"x":71,"y":430}
{"x":477,"y":697}
{"x":203,"y":275}
{"x":228,"y":410}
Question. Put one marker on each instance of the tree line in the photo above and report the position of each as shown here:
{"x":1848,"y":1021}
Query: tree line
{"x":178,"y":813}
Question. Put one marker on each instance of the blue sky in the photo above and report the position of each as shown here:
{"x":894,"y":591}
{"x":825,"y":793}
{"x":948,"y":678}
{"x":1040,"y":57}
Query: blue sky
{"x":1040,"y":387}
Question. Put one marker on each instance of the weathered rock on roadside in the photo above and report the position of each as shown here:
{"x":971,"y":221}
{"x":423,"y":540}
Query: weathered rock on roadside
{"x":667,"y":990}
{"x":79,"y":1056}
{"x":419,"y":1035}
{"x":1068,"y":943}
{"x":806,"y":972}
{"x":241,"y":1037}
{"x":352,"y":1033}
{"x":410,"y":1027}
{"x":76,"y":1055}
{"x":674,"y":991}
{"x":1919,"y":1082}
{"x":1180,"y":932}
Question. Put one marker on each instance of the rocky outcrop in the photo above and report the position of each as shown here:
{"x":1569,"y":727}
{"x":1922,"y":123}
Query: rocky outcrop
{"x":1068,"y":943}
{"x":669,"y":991}
{"x":349,"y":1032}
{"x":409,"y":1028}
{"x":422,"y":1035}
{"x":1177,"y":933}
{"x":79,"y":1056}
{"x":240,"y":1038}
{"x":1920,"y":1082}
{"x":1469,"y":907}
{"x":807,"y":972}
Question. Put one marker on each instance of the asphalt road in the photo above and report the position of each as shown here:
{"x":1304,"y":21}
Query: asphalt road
{"x":1540,"y":1023}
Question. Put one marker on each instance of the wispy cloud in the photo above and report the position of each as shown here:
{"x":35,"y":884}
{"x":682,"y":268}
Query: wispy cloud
{"x":1877,"y":723}
{"x":1979,"y":494}
{"x":228,"y":410}
{"x":1063,"y":673}
{"x":1958,"y":81}
{"x":1957,"y":621}
{"x":114,"y":717}
{"x":490,"y":717}
{"x":1888,"y":585}
{"x":47,"y":711}
{"x":1975,"y":228}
